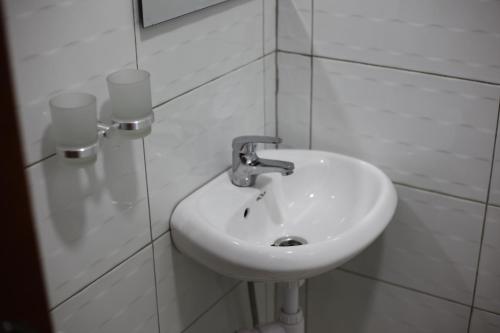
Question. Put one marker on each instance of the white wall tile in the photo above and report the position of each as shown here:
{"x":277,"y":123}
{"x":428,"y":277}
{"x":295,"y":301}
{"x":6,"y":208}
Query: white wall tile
{"x":432,"y":245}
{"x":449,"y":37}
{"x":484,"y":322}
{"x":191,"y":140}
{"x":343,"y":302}
{"x":89,"y":219}
{"x":294,"y":100}
{"x":488,"y":284}
{"x":270,"y":94}
{"x":123,"y":300}
{"x":228,"y":315}
{"x":185,"y":288}
{"x":184,"y":53}
{"x":269,"y":26}
{"x":495,"y":177}
{"x":430,"y":132}
{"x":295,"y":25}
{"x":56,"y":47}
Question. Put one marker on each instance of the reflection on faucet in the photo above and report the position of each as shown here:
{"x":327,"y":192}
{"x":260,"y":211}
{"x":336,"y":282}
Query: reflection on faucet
{"x":247,"y":165}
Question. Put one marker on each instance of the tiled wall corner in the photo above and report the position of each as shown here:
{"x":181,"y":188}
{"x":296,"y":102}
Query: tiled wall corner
{"x":294,"y":100}
{"x":185,"y":288}
{"x":186,"y":52}
{"x":484,"y":322}
{"x":456,"y":39}
{"x":191,"y":140}
{"x":344,"y":302}
{"x":270,"y":94}
{"x":228,"y":315}
{"x":431,"y":132}
{"x":89,"y":219}
{"x":295,"y":25}
{"x":269,"y":25}
{"x":431,"y":245}
{"x":123,"y":300}
{"x":488,"y":284}
{"x":49,"y":56}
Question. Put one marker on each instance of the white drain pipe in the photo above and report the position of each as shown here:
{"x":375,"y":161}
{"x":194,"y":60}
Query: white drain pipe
{"x":291,"y":319}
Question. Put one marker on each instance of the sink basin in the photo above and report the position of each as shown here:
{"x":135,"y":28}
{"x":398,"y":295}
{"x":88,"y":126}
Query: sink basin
{"x":333,"y":205}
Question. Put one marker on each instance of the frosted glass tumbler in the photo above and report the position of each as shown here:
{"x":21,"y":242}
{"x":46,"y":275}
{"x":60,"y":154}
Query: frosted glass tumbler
{"x":74,"y":120}
{"x":130,"y":94}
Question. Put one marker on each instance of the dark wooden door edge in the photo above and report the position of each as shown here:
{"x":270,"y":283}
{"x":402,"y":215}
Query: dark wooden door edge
{"x":22,"y":295}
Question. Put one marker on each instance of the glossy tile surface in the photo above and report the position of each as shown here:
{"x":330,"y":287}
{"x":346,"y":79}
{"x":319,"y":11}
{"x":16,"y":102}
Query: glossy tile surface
{"x":484,"y":322}
{"x":184,"y":53}
{"x":227,"y":316}
{"x":431,"y":245}
{"x":270,"y":94}
{"x":123,"y":300}
{"x":452,"y":38}
{"x":343,"y":302}
{"x":185,"y":288}
{"x":495,"y":177}
{"x":269,"y":25}
{"x":191,"y":140}
{"x":89,"y":219}
{"x":295,"y":25}
{"x":488,"y":285}
{"x":54,"y":48}
{"x":294,"y":100}
{"x":430,"y":132}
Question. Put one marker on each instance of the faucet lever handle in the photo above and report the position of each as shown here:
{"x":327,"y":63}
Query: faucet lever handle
{"x":245,"y":141}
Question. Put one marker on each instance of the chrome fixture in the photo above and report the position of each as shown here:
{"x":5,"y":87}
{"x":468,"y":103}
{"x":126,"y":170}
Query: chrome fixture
{"x":75,"y":126}
{"x":247,"y":165}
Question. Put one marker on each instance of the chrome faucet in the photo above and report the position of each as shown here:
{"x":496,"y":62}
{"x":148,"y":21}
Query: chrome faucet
{"x":247,"y":165}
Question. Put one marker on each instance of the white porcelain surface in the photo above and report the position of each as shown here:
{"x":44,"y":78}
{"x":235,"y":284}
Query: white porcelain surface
{"x":269,"y":25}
{"x":344,"y":302}
{"x":488,"y":283}
{"x":123,"y":300}
{"x":191,"y":138}
{"x":338,"y":204}
{"x":449,"y":37}
{"x":295,"y":25}
{"x":185,"y":288}
{"x":484,"y":322}
{"x":294,"y":100}
{"x":186,"y":52}
{"x":431,"y":245}
{"x":228,"y":315}
{"x":430,"y":132}
{"x":89,"y":219}
{"x":55,"y":47}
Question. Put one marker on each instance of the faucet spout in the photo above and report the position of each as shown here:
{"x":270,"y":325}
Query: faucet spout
{"x":283,"y":167}
{"x":247,"y":165}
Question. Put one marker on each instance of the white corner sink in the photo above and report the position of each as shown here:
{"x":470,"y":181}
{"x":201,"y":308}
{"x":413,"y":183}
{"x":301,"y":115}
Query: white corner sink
{"x":337,"y":204}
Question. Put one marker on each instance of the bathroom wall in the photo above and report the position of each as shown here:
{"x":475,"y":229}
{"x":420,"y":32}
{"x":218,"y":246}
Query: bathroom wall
{"x":414,"y":88}
{"x":103,"y":230}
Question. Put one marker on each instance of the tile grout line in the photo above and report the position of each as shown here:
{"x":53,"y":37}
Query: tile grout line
{"x":311,"y":76}
{"x":151,"y":236}
{"x":276,"y":69}
{"x":345,"y":270}
{"x":137,"y":26}
{"x":392,"y":67}
{"x":484,"y":224}
{"x":261,"y":57}
{"x":214,"y":304}
{"x":88,"y":284}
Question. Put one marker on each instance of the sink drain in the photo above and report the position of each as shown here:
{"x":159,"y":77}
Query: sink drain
{"x":289,"y":241}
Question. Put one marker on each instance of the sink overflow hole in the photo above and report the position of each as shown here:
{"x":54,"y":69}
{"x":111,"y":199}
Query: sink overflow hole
{"x":246,"y":212}
{"x":289,"y":241}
